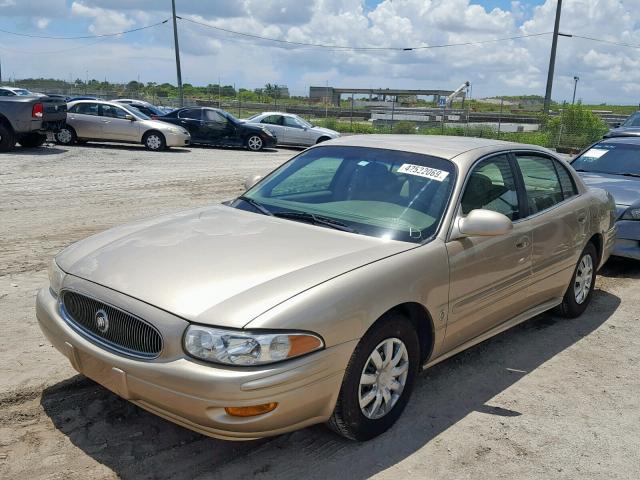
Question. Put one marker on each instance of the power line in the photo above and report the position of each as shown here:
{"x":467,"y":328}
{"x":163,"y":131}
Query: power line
{"x":346,"y":47}
{"x":601,"y":40}
{"x":83,"y":37}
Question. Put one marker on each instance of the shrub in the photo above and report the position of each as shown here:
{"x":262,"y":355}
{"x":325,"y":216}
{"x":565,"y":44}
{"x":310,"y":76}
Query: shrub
{"x":575,"y":127}
{"x":404,"y":127}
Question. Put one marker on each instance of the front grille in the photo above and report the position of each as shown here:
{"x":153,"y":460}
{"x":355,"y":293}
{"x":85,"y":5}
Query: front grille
{"x":111,"y":327}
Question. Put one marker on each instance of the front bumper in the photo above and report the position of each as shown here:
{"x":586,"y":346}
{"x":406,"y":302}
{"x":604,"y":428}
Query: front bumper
{"x":628,"y":240}
{"x":193,"y":394}
{"x":177,"y":139}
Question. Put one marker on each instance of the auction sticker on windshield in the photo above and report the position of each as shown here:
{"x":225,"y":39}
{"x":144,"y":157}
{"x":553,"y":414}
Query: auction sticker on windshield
{"x":595,"y":153}
{"x":421,"y":171}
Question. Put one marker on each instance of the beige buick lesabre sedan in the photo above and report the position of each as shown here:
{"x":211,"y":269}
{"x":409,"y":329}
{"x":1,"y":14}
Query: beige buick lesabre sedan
{"x":319,"y":294}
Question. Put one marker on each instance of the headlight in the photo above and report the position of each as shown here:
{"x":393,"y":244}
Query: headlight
{"x":631,"y":214}
{"x":239,"y":347}
{"x":56,"y":275}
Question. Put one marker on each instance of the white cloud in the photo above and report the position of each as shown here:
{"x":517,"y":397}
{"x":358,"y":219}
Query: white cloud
{"x":42,"y":22}
{"x":607,"y":73}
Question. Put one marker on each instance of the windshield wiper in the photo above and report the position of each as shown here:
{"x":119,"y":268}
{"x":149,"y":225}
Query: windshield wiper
{"x":318,"y":220}
{"x":257,"y":205}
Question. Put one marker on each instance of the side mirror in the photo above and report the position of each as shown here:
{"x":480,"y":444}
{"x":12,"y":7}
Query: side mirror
{"x":251,"y":181}
{"x":483,"y":223}
{"x":130,"y":117}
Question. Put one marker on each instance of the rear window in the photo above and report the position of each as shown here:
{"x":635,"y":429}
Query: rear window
{"x":612,"y":158}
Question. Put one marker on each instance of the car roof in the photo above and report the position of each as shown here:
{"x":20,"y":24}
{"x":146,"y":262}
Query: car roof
{"x":103,"y":102}
{"x":285,"y":114}
{"x":628,"y":139}
{"x":443,"y":146}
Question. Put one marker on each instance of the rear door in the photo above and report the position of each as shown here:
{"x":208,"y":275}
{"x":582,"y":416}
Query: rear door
{"x":489,"y":276}
{"x":115,"y":125}
{"x":560,"y":222}
{"x":274,"y":123}
{"x":191,"y":119}
{"x":85,"y":119}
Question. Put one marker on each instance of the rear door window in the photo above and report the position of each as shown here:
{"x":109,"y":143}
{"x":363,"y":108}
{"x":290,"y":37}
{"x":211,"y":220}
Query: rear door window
{"x":87,"y":108}
{"x":191,"y":114}
{"x":541,"y":181}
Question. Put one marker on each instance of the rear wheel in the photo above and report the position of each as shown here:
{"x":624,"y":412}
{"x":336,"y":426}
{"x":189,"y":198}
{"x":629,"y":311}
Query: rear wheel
{"x":255,"y":143}
{"x":66,"y":135}
{"x":154,"y":141}
{"x":7,"y":138}
{"x":31,"y":140}
{"x":378,"y":380}
{"x":578,"y":295}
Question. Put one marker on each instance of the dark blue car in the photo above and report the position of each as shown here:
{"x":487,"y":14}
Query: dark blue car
{"x":614,"y":165}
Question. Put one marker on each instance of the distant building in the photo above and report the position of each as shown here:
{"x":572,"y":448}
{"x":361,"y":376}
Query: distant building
{"x":282,"y":91}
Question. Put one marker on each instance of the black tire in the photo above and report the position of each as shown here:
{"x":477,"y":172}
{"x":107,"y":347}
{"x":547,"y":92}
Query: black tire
{"x":7,"y":138}
{"x":254,"y":142}
{"x":154,"y":141}
{"x":322,"y":139}
{"x":573,"y":304}
{"x":66,"y":135}
{"x":32,"y":140}
{"x":348,"y":418}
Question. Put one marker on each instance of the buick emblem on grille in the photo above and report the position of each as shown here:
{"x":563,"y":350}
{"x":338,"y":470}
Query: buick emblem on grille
{"x":102,"y":321}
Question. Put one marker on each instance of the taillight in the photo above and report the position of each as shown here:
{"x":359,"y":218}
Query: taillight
{"x":37,"y":111}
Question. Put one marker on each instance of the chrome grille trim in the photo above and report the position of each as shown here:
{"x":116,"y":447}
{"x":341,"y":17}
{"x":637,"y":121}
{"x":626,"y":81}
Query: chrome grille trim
{"x":127,"y":334}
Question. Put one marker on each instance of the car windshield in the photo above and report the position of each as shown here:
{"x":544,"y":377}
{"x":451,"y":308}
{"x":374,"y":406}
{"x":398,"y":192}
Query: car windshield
{"x":612,"y":158}
{"x":377,"y":192}
{"x":632,"y":121}
{"x":253,"y":117}
{"x":136,"y":112}
{"x":303,"y":122}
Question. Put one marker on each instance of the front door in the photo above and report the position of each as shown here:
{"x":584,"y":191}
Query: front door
{"x":489,"y":276}
{"x":191,"y":119}
{"x":114,"y":125}
{"x":295,"y":133}
{"x":216,"y":128}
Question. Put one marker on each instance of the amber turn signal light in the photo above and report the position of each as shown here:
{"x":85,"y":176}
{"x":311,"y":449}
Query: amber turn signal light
{"x":251,"y":411}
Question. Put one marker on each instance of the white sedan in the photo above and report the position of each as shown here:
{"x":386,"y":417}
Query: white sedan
{"x":291,"y":129}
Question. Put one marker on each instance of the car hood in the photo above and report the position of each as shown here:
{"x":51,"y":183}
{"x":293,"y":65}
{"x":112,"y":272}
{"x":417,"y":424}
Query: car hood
{"x":625,"y":190}
{"x":623,"y":131}
{"x":219,"y":265}
{"x":160,"y":125}
{"x":326,"y":131}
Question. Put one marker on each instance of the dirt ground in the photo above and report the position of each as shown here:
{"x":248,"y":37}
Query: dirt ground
{"x":551,"y":398}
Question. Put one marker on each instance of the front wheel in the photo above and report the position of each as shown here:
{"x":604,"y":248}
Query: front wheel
{"x":578,"y":295}
{"x":255,"y":143}
{"x":154,"y":141}
{"x":378,"y":380}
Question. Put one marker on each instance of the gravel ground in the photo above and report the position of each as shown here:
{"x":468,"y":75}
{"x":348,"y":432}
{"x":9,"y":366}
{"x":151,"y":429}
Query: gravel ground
{"x":551,"y":398}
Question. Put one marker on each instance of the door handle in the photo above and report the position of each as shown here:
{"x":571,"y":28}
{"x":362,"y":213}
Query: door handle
{"x":522,"y":242}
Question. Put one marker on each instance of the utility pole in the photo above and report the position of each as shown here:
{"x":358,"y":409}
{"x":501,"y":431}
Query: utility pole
{"x":0,"y":71}
{"x":575,"y":86}
{"x":177,"y":48}
{"x":552,"y":60}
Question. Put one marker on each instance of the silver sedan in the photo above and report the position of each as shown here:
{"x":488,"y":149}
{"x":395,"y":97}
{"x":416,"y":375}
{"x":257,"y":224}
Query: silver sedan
{"x":291,"y":129}
{"x":114,"y":122}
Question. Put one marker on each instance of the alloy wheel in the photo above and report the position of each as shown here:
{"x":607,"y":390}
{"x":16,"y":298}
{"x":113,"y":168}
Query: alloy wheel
{"x":254,"y":143}
{"x":64,"y":136}
{"x":383,"y":378}
{"x":584,"y":278}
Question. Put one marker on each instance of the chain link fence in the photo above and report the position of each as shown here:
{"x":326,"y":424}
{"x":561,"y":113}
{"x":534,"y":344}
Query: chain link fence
{"x":566,"y":128}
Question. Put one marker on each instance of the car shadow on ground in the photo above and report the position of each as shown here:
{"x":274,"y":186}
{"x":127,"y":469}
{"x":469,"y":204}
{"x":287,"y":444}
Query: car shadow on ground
{"x":619,"y":267}
{"x":222,"y":147}
{"x":131,"y":147}
{"x":46,"y":149}
{"x":135,"y":444}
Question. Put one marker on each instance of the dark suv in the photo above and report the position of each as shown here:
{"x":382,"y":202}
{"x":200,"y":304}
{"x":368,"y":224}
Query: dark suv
{"x":212,"y":126}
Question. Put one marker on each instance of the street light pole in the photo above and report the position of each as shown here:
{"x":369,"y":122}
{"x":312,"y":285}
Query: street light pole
{"x":552,"y":60}
{"x":177,"y":49}
{"x":575,"y":86}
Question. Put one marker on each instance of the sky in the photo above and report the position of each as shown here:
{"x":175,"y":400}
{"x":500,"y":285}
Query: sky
{"x":608,"y":73}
